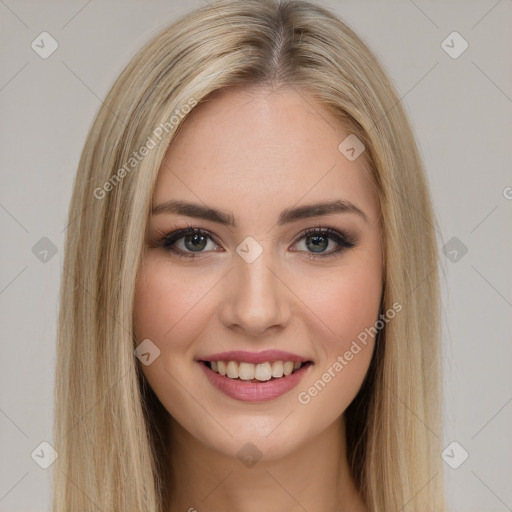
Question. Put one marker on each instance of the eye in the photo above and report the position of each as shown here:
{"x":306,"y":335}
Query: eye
{"x":195,"y":240}
{"x":188,"y":242}
{"x":318,"y":239}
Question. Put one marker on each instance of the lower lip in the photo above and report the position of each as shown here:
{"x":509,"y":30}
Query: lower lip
{"x":255,"y":391}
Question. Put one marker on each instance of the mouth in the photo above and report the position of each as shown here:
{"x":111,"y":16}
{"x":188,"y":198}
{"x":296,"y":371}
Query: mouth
{"x":260,"y":372}
{"x":254,"y":382}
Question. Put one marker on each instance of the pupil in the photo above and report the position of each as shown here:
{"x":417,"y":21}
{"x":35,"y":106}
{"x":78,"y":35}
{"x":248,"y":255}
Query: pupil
{"x":195,"y":237}
{"x":316,"y":244}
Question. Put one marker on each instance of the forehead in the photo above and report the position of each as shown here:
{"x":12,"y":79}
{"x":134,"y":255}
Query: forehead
{"x":255,"y":150}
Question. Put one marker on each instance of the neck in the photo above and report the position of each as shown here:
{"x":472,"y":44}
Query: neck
{"x":314,"y":477}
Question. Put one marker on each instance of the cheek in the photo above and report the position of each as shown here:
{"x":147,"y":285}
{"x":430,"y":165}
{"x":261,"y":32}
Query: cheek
{"x":346,"y":307}
{"x":164,"y":304}
{"x":166,"y":307}
{"x":165,"y":301}
{"x":344,"y":303}
{"x":357,"y":298}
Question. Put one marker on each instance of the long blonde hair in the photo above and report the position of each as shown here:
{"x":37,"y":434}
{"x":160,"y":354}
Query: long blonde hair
{"x":109,"y":428}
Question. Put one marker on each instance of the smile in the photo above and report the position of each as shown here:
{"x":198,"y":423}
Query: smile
{"x":251,"y":382}
{"x":254,"y":372}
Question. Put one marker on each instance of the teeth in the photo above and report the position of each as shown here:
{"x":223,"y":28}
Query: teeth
{"x":222,"y":367}
{"x":249,"y":371}
{"x":232,"y":371}
{"x":263,"y":371}
{"x":277,"y":369}
{"x":245,"y":371}
{"x":288,"y":367}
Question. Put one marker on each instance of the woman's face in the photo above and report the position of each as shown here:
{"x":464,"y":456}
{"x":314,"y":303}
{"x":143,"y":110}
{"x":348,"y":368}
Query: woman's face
{"x":262,"y":159}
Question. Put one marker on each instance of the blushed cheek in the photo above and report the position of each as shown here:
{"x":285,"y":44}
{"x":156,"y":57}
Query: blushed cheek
{"x":351,"y":310}
{"x":361,"y":301}
{"x":160,"y":315}
{"x":345,"y":305}
{"x":163,"y":301}
{"x":172,"y":309}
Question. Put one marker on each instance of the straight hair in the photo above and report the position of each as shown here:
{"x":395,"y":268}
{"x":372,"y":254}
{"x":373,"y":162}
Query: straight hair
{"x":110,"y":430}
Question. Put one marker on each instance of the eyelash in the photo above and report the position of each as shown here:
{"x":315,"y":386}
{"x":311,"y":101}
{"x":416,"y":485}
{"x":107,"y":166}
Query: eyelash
{"x":344,"y":240}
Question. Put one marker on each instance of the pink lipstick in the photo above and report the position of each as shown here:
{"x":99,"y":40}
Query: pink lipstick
{"x":254,"y":376}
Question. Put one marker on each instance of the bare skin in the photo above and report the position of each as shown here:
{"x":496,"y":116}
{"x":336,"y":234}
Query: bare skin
{"x":254,"y":154}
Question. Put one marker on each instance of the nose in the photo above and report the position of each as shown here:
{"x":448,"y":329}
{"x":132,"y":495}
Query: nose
{"x":256,"y":299}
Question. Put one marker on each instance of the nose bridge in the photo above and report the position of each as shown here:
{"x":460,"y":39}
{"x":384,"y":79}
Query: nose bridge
{"x":256,"y":299}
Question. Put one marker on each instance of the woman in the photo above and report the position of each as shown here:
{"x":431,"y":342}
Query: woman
{"x":249,"y":313}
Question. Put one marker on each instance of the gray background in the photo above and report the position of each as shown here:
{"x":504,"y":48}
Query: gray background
{"x":461,"y":112}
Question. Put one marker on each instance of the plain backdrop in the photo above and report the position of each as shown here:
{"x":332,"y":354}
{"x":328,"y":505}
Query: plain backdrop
{"x":461,"y":113}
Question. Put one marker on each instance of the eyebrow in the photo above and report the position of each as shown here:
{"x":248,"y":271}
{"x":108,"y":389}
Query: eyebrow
{"x":287,"y":216}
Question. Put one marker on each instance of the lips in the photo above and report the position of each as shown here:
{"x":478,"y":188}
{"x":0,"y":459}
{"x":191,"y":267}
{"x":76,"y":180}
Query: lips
{"x":255,"y":376}
{"x":255,"y":357}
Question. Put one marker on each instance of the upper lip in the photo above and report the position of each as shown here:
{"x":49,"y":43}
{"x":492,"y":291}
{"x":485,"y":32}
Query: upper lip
{"x":255,"y":357}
